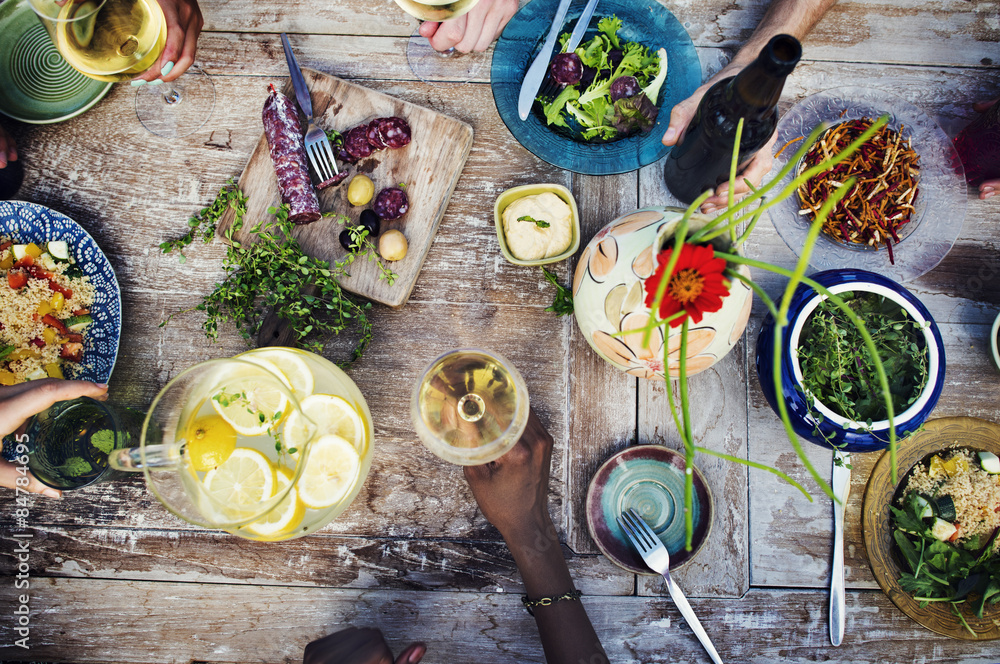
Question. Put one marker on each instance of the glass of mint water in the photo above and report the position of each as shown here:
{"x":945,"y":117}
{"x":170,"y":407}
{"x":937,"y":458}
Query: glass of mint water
{"x":69,"y":443}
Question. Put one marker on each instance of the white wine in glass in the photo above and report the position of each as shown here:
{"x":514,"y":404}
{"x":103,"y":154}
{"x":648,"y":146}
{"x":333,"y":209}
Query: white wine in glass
{"x":116,"y":40}
{"x":470,"y":406}
{"x":111,"y":41}
{"x":436,"y":10}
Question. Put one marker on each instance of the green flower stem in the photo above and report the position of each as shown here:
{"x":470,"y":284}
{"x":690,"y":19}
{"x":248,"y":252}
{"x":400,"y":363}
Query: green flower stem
{"x":706,"y":233}
{"x":858,"y":323}
{"x":754,"y":464}
{"x":731,"y":202}
{"x":688,"y":436}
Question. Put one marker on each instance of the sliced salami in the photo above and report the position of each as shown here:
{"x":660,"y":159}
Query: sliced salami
{"x":346,"y":156}
{"x":356,"y":142}
{"x":394,"y":132}
{"x":374,"y":138}
{"x":336,"y":179}
{"x":391,"y":203}
{"x":288,"y":154}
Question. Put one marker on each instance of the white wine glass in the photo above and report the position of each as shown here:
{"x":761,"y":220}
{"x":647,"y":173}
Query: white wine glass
{"x":428,"y":64}
{"x":116,"y":40}
{"x":470,"y":406}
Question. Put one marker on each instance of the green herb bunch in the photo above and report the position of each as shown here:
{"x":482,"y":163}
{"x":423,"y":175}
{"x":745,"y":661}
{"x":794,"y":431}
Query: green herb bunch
{"x":838,"y":370}
{"x":273,"y":274}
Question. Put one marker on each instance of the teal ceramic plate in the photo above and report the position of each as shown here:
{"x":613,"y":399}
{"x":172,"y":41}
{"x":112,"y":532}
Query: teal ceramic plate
{"x":649,"y":478}
{"x":36,"y":84}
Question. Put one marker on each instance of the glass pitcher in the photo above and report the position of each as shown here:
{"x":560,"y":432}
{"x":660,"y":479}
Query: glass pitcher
{"x":270,"y":445}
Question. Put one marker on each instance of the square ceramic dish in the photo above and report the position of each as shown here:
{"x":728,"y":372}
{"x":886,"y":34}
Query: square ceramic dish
{"x":513,"y":194}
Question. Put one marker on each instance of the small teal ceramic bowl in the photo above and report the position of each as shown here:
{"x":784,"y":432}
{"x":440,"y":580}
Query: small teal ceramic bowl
{"x":650,"y":479}
{"x":808,"y":415}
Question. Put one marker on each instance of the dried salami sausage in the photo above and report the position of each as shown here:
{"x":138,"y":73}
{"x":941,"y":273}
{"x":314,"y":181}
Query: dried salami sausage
{"x":394,"y":132}
{"x":374,"y":139}
{"x":336,"y":179}
{"x":288,"y":154}
{"x":391,"y":203}
{"x":356,"y":142}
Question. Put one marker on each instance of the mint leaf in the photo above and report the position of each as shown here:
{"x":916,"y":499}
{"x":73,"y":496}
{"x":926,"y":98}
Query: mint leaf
{"x":104,"y":440}
{"x":75,"y":466}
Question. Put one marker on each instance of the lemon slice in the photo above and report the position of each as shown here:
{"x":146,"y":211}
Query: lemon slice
{"x":291,"y":368}
{"x":243,"y":480}
{"x":252,"y":407}
{"x":330,"y":472}
{"x":286,"y":516}
{"x":210,"y":441}
{"x":332,"y":415}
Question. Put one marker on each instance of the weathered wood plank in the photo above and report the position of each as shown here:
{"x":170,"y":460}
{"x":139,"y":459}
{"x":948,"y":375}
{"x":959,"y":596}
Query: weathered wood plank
{"x":602,"y":399}
{"x":718,"y":398}
{"x":87,"y":620}
{"x":322,"y":560}
{"x":937,"y":32}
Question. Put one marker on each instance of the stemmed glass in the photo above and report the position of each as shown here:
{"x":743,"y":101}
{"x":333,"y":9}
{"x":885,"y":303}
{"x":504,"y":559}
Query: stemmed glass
{"x":470,"y":406}
{"x":115,"y":40}
{"x":428,"y":64}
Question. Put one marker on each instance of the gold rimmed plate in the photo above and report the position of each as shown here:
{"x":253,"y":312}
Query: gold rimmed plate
{"x":876,"y":522}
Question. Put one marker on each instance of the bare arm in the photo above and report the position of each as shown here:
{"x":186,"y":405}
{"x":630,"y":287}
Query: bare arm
{"x":513,"y":495}
{"x":791,"y":17}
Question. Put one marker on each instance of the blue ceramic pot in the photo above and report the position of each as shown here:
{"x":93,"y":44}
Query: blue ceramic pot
{"x":834,"y":429}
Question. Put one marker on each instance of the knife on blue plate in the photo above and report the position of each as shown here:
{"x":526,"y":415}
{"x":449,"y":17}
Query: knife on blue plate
{"x":536,"y":72}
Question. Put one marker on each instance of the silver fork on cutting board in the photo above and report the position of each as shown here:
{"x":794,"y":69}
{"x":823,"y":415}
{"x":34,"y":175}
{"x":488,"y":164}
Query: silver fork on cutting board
{"x":317,"y":144}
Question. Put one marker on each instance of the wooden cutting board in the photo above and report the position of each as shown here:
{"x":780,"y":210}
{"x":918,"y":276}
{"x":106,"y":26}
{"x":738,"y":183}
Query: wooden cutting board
{"x":429,"y":166}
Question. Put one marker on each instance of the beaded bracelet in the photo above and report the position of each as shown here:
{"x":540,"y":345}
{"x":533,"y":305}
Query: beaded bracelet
{"x":547,"y":601}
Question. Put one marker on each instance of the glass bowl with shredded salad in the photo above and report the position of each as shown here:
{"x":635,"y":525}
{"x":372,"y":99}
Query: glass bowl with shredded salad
{"x":908,"y":204}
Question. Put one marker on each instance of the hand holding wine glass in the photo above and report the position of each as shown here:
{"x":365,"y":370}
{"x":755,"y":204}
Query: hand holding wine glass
{"x":474,"y":31}
{"x":184,"y":22}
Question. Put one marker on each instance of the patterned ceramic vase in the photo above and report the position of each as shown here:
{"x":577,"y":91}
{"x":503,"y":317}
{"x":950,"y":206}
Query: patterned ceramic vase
{"x":609,"y":297}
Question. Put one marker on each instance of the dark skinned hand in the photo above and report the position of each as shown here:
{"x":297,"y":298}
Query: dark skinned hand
{"x":513,"y":491}
{"x":359,"y":646}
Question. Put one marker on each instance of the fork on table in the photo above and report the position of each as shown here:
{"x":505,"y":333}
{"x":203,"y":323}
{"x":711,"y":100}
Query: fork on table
{"x":317,"y":144}
{"x":656,"y":556}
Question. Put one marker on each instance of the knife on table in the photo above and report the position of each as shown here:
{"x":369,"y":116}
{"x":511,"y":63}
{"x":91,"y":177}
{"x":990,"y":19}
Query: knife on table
{"x":536,"y":72}
{"x":841,"y":489}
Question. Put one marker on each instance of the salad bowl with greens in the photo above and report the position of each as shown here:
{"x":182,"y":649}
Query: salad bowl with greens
{"x":594,"y":125}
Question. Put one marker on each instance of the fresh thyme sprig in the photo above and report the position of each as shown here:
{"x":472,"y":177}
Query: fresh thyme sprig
{"x":273,"y":274}
{"x":563,"y":303}
{"x":362,"y":245}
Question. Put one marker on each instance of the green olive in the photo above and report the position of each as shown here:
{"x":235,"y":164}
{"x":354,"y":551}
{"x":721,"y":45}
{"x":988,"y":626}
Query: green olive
{"x":361,"y":190}
{"x":392,"y":245}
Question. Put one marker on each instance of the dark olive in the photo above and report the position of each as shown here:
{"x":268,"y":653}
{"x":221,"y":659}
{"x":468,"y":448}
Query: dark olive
{"x":345,"y":239}
{"x":371,"y":221}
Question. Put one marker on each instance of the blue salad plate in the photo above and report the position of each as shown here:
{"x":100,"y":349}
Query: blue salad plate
{"x":644,"y":21}
{"x":28,"y":222}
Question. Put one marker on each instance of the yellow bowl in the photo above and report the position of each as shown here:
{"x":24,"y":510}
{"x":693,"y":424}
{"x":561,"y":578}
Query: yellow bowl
{"x":511,"y":195}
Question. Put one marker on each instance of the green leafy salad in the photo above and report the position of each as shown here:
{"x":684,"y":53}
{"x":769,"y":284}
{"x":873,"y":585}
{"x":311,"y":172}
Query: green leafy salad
{"x":946,"y":529}
{"x":609,"y":86}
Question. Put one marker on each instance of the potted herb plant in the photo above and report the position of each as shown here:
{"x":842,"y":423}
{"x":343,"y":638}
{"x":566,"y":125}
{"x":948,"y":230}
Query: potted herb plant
{"x":828,"y":375}
{"x":687,"y":275}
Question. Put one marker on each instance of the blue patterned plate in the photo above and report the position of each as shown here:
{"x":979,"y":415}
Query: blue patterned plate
{"x":649,"y":478}
{"x":29,"y":222}
{"x":644,"y":21}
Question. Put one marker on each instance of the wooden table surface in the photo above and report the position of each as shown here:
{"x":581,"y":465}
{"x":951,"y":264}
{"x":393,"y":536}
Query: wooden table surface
{"x":114,"y":577}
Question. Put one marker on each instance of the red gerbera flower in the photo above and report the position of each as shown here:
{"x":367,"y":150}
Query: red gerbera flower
{"x":696,"y":285}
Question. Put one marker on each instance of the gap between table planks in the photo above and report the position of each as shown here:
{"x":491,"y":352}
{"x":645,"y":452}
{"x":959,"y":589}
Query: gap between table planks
{"x":429,"y":167}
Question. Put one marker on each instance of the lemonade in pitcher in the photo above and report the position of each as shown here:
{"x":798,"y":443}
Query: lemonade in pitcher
{"x":270,"y":445}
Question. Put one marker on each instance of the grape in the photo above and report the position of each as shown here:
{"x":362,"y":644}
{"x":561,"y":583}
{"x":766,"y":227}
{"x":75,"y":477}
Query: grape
{"x":623,"y":87}
{"x":567,"y":68}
